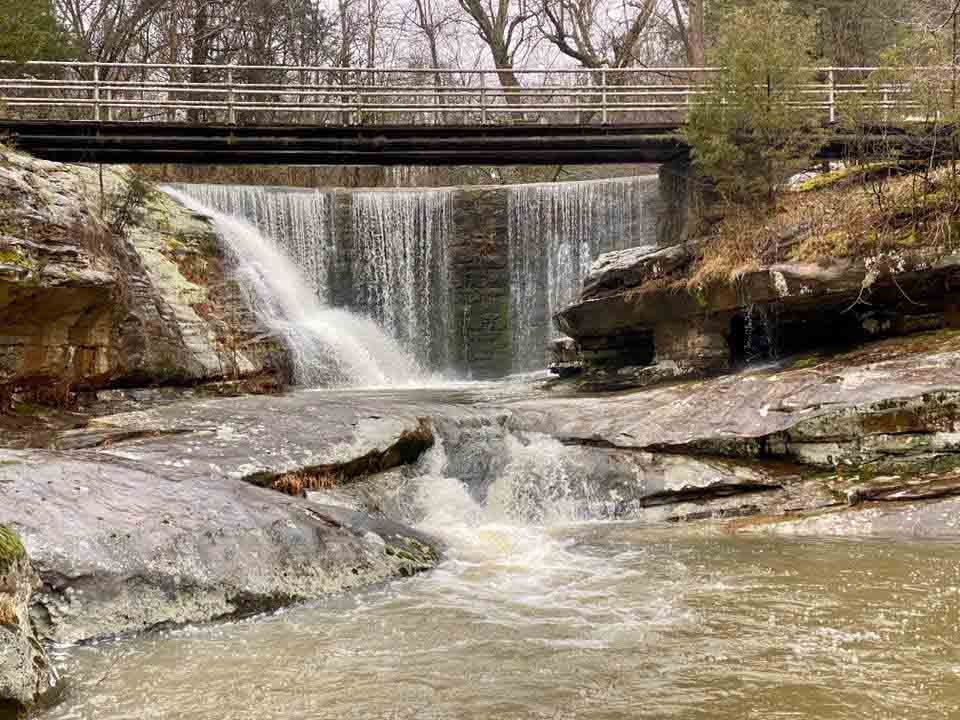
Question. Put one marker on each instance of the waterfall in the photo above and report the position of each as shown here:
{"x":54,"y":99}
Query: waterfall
{"x":328,"y":347}
{"x":556,"y":231}
{"x":298,"y":221}
{"x":400,"y":273}
{"x":395,"y":256}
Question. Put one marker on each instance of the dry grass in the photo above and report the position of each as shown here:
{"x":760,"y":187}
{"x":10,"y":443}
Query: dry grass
{"x":830,"y":222}
{"x":8,"y":612}
{"x":294,"y":483}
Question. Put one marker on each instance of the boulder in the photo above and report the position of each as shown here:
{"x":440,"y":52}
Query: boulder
{"x":123,"y":546}
{"x":154,"y":518}
{"x":621,"y":270}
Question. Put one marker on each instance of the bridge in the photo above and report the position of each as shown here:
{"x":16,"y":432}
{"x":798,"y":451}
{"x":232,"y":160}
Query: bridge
{"x":255,"y":114}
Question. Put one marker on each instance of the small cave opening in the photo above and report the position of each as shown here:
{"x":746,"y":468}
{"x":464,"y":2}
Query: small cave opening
{"x":766,"y":333}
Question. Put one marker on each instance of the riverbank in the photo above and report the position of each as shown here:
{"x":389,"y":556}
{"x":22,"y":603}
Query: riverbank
{"x":169,"y":514}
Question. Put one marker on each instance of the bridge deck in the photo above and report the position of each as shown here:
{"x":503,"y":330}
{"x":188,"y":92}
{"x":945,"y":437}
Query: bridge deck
{"x":437,"y":145}
{"x":228,"y":114}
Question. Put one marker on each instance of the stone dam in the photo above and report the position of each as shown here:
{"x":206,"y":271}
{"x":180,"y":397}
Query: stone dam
{"x":466,"y":278}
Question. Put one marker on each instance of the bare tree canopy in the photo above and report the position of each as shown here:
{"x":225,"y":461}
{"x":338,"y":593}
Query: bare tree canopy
{"x":504,"y":36}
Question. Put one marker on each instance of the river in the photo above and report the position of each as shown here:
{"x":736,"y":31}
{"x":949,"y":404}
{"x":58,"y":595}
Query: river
{"x":569,"y":620}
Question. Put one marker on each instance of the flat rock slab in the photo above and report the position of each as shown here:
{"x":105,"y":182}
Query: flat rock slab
{"x":238,"y":437}
{"x":148,"y":520}
{"x":753,"y":403}
{"x":883,"y":519}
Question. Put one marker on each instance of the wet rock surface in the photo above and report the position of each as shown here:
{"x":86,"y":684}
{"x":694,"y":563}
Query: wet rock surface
{"x":640,"y":302}
{"x":26,"y":673}
{"x":123,"y":546}
{"x":149,"y":517}
{"x":159,"y":526}
{"x":86,"y":303}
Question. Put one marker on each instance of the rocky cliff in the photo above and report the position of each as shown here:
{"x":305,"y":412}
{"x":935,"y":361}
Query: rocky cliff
{"x":105,"y":284}
{"x":767,"y":288}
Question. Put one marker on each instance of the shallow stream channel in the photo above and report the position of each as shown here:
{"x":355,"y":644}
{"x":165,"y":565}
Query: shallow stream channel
{"x":544,"y":607}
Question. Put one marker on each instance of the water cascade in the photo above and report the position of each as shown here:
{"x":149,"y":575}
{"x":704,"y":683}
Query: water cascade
{"x":395,"y":256}
{"x":328,"y":347}
{"x":400,"y":272}
{"x":298,"y":221}
{"x":556,"y":231}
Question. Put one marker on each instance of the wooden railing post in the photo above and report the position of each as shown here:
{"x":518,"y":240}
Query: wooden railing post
{"x":231,"y":99}
{"x":833,"y":96}
{"x":96,"y":92}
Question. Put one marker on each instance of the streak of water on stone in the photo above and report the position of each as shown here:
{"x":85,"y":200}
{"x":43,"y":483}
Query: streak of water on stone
{"x":556,"y":231}
{"x":327,"y":346}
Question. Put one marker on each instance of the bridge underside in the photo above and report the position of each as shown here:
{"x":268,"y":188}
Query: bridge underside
{"x":431,"y":145}
{"x":319,"y":145}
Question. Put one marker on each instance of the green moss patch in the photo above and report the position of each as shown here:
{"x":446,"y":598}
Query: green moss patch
{"x":11,"y":549}
{"x":14,"y":256}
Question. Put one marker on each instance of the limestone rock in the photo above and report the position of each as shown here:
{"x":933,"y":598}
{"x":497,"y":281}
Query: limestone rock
{"x":151,"y":522}
{"x":83,"y":306}
{"x":636,"y":302}
{"x":124,"y":546}
{"x":624,"y":269}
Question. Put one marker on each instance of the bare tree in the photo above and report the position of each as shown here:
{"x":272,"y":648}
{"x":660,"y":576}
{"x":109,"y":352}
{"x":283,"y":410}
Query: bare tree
{"x":584,"y":30}
{"x":504,"y":26}
{"x":691,"y":28}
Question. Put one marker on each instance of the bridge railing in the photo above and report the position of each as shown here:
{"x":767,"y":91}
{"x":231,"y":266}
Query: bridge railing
{"x":262,"y":94}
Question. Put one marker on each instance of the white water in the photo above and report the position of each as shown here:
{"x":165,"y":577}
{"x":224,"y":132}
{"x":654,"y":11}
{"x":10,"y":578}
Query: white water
{"x":389,"y":259}
{"x":328,"y":347}
{"x":556,"y":231}
{"x":400,"y":272}
{"x":531,"y":616}
{"x":297,"y":221}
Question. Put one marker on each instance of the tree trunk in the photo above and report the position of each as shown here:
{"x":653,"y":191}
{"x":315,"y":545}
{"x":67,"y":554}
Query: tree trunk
{"x":697,"y":46}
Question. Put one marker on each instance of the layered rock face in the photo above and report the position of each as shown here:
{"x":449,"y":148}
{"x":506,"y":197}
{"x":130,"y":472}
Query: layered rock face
{"x":865,"y":442}
{"x":84,"y":304}
{"x":638,"y":321}
{"x":25,"y":671}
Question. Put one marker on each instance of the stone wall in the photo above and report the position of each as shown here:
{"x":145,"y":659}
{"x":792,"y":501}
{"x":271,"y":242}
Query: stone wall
{"x":478,"y":255}
{"x":480,"y":281}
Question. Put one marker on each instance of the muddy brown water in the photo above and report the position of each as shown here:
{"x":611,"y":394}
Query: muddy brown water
{"x":585,"y":620}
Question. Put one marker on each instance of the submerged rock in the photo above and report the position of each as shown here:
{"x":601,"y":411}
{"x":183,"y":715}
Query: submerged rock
{"x":25,"y":670}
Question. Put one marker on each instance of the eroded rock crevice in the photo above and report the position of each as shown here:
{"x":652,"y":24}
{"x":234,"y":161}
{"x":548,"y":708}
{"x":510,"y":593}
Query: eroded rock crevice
{"x":639,"y":321}
{"x":405,"y":450}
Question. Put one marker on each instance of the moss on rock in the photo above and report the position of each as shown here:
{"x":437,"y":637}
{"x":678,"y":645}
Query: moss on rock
{"x":11,"y":549}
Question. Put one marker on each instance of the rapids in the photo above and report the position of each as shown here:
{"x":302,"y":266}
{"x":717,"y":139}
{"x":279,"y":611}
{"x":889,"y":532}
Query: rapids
{"x":557,"y":618}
